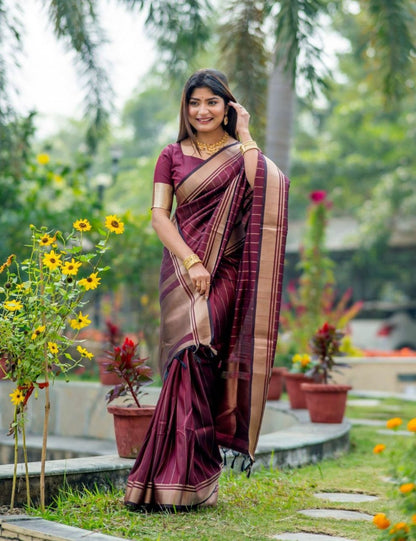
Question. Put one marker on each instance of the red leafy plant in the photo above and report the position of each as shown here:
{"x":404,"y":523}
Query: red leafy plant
{"x":325,"y":345}
{"x":126,"y":362}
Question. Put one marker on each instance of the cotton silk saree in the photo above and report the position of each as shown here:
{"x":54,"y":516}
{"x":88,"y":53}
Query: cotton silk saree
{"x":217,"y":354}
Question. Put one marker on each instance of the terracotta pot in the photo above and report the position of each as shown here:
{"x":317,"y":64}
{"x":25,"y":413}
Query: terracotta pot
{"x":3,"y":362}
{"x":296,"y":395}
{"x":326,"y":402}
{"x":276,"y":383}
{"x":130,"y":428}
{"x":107,"y":378}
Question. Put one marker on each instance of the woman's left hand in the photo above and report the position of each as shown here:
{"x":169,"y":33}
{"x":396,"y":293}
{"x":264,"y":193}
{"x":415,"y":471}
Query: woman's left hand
{"x":243,"y":118}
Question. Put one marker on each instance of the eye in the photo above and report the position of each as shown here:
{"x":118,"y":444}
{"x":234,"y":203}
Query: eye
{"x":213,"y":102}
{"x":193,"y":103}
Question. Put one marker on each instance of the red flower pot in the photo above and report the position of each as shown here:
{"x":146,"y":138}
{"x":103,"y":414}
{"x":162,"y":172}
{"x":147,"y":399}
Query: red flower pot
{"x":295,"y":393}
{"x":130,"y":428}
{"x":326,"y":402}
{"x":3,"y":362}
{"x":107,"y":378}
{"x":276,"y":383}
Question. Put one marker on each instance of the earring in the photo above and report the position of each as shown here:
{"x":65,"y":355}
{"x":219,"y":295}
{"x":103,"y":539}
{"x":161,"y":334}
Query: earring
{"x":225,"y":120}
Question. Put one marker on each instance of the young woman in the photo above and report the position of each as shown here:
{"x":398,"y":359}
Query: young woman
{"x":220,"y":289}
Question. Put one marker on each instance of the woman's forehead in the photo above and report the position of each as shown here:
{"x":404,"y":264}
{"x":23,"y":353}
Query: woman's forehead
{"x":203,"y":93}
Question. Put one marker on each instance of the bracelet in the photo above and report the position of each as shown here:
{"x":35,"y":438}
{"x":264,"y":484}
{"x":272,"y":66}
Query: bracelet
{"x":190,"y":261}
{"x":248,"y":145}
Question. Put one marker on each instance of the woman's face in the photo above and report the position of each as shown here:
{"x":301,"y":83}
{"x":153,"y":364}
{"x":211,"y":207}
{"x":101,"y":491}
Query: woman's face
{"x":206,"y":110}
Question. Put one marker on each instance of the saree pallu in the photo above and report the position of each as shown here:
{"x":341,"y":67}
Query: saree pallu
{"x":216,"y":354}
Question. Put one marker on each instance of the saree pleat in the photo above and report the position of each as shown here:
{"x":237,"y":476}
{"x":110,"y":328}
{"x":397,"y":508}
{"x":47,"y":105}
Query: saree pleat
{"x":216,"y":354}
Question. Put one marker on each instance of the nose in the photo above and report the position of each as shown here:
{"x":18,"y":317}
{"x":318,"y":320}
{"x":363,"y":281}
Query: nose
{"x":203,"y":108}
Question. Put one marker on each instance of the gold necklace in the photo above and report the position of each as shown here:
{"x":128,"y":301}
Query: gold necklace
{"x":214,"y":147}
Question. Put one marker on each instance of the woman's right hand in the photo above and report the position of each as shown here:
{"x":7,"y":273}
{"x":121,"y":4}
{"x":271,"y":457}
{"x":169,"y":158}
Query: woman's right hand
{"x":201,"y":279}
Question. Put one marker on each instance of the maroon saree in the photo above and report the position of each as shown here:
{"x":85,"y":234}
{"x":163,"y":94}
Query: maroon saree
{"x":218,"y":353}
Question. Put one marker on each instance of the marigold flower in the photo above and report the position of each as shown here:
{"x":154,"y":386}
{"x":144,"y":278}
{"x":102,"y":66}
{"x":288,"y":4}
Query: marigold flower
{"x":38,"y":331}
{"x":43,"y":158}
{"x":414,"y":519}
{"x":395,"y":422}
{"x":82,"y":225}
{"x":379,"y":448}
{"x":411,"y":425}
{"x":92,"y":282}
{"x":114,"y":224}
{"x":84,"y":352}
{"x":306,"y":359}
{"x":407,"y":487}
{"x":52,"y":260}
{"x":71,"y":267}
{"x":12,"y":306}
{"x":53,"y":348}
{"x":381,"y":521}
{"x":17,"y":397}
{"x":400,"y":526}
{"x":297,"y":358}
{"x":80,"y":322}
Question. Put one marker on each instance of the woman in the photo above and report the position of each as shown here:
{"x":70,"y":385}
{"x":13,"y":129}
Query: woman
{"x":220,"y":289}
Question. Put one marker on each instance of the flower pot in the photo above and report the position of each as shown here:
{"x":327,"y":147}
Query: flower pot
{"x":3,"y":362}
{"x":326,"y":402}
{"x":296,"y":395}
{"x":107,"y":378}
{"x":276,"y":383}
{"x":130,"y":428}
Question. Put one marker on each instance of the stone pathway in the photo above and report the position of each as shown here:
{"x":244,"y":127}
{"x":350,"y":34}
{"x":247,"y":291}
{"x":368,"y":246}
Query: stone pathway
{"x":336,"y":514}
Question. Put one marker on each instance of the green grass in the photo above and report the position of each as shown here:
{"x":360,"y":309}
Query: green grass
{"x":265,"y":504}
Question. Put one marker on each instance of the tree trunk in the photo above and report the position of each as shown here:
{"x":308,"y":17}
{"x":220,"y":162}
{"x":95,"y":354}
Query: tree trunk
{"x":280,"y":115}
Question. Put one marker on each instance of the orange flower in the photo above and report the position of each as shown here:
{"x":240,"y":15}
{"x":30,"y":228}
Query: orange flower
{"x":411,"y":425}
{"x":414,"y":519}
{"x":381,"y":521}
{"x":399,"y":527}
{"x":407,"y":487}
{"x":379,"y":448}
{"x":394,"y":423}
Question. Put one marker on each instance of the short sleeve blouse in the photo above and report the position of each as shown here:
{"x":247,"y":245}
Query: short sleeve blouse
{"x":173,"y":165}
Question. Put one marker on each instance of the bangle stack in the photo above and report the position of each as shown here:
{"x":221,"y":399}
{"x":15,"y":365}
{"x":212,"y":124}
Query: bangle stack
{"x":248,"y":145}
{"x":190,"y":261}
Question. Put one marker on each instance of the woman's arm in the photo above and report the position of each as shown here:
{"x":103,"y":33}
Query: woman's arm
{"x":242,"y":128}
{"x":172,"y":240}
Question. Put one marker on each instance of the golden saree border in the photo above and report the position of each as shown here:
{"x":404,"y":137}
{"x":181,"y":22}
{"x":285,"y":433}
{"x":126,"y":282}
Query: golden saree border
{"x":171,"y":494}
{"x":270,"y":276}
{"x":162,"y":196}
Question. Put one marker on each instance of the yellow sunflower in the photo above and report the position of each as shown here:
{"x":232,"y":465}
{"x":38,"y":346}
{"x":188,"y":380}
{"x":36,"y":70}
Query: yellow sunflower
{"x":114,"y":224}
{"x":52,"y":260}
{"x":53,"y":348}
{"x":38,"y":331}
{"x":82,"y":225}
{"x":84,"y":352}
{"x":17,"y":397}
{"x":12,"y":306}
{"x":46,"y":240}
{"x":92,"y":282}
{"x":43,"y":158}
{"x":71,"y":267}
{"x":80,"y":322}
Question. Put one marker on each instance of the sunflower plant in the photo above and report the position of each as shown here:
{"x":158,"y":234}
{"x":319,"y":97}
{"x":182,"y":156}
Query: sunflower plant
{"x":42,"y":310}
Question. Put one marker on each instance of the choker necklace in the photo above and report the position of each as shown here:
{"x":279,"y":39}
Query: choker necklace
{"x":214,"y":147}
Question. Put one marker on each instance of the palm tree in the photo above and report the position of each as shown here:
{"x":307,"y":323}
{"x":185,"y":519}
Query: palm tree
{"x":178,"y":26}
{"x":295,"y":54}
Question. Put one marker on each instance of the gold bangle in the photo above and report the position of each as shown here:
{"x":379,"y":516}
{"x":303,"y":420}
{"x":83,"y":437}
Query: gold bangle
{"x":190,"y":261}
{"x":248,"y":145}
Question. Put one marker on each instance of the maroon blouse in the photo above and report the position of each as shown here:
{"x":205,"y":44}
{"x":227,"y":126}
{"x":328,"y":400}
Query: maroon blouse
{"x":173,"y":165}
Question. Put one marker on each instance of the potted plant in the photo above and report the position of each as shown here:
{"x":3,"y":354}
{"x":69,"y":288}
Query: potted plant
{"x":113,"y":339}
{"x":131,"y":418}
{"x":302,"y":365}
{"x":325,"y":401}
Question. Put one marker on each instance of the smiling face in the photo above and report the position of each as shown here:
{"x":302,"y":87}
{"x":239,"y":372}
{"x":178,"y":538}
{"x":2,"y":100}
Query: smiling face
{"x":206,"y":111}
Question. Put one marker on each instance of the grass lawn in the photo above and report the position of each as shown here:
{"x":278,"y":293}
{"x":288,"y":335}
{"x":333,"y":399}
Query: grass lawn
{"x":265,"y":504}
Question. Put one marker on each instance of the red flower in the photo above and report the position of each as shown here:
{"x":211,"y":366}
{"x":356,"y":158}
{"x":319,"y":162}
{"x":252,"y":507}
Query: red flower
{"x":317,"y":196}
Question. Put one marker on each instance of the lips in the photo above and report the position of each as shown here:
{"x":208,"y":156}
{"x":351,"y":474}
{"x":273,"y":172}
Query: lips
{"x":204,"y":120}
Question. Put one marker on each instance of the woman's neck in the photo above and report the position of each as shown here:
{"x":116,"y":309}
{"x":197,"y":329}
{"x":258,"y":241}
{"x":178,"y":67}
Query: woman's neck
{"x":210,"y":138}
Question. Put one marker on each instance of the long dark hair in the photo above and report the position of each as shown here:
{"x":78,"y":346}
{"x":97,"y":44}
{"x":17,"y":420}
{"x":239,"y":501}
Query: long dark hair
{"x":217,"y":82}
